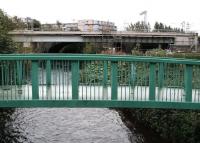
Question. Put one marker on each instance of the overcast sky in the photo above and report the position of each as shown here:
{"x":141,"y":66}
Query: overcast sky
{"x":122,"y":12}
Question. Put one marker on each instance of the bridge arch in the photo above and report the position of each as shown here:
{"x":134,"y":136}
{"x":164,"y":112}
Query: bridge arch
{"x":61,"y":47}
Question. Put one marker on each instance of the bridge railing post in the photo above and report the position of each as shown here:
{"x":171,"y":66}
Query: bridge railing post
{"x":75,"y":79}
{"x":152,"y":82}
{"x":48,"y":72}
{"x":188,"y":83}
{"x":114,"y":81}
{"x":35,"y":81}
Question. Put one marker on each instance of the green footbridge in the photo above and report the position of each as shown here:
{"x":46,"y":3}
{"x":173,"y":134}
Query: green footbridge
{"x":100,"y":81}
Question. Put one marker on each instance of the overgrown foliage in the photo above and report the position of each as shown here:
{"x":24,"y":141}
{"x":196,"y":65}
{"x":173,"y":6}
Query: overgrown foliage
{"x":175,"y":126}
{"x":6,"y":25}
{"x":139,"y":26}
{"x":160,"y":27}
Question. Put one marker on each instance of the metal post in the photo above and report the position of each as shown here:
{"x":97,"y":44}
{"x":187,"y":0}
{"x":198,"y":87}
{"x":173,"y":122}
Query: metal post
{"x":114,"y":82}
{"x":105,"y":73}
{"x":48,"y":71}
{"x":160,"y":79}
{"x":152,"y":82}
{"x":161,"y":75}
{"x":34,"y":73}
{"x":188,"y":83}
{"x":19,"y":72}
{"x":75,"y":79}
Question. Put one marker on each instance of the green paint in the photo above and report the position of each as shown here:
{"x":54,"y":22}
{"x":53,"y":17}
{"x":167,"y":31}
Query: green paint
{"x":188,"y":83}
{"x":98,"y":104}
{"x":75,"y":79}
{"x":19,"y":72}
{"x":105,"y":59}
{"x":96,"y":57}
{"x":152,"y":82}
{"x":48,"y":72}
{"x":105,"y":73}
{"x":114,"y":81}
{"x":161,"y":75}
{"x":34,"y":77}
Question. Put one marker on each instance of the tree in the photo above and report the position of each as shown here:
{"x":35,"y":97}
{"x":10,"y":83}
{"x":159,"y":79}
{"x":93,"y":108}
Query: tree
{"x":36,"y":24}
{"x":58,"y":23}
{"x":18,"y":22}
{"x":6,"y":25}
{"x":139,"y":27}
{"x":32,"y":24}
{"x":160,"y":27}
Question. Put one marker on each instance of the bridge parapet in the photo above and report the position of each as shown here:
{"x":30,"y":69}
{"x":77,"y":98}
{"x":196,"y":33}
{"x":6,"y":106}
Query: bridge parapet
{"x":52,"y":80}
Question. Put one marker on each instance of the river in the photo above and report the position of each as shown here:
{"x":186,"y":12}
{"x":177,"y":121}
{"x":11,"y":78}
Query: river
{"x":63,"y":125}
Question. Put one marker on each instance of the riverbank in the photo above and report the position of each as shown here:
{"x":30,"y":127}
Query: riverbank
{"x":166,"y":126}
{"x":143,"y":133}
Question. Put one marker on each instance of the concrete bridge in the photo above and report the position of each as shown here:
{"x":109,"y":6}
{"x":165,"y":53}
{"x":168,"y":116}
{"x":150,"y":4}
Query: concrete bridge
{"x":185,"y":40}
{"x":64,"y":80}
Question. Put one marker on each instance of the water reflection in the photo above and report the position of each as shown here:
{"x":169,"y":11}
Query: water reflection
{"x":62,"y":125}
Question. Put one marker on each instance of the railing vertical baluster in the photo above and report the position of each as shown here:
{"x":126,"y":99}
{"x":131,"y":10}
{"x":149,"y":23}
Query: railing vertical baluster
{"x":34,"y":76}
{"x":75,"y":79}
{"x":188,"y":83}
{"x":160,"y":79}
{"x":48,"y":72}
{"x":105,"y":73}
{"x":161,"y":75}
{"x":114,"y":81}
{"x":152,"y":82}
{"x":19,"y":72}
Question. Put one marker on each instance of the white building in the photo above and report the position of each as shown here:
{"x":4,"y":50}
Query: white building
{"x":70,"y":27}
{"x":82,"y":25}
{"x":96,"y":25}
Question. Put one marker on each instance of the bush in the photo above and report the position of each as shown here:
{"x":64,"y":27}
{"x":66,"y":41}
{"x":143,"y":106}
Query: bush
{"x":176,"y":126}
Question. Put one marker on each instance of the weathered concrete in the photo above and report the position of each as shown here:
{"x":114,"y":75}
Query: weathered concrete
{"x":189,"y":40}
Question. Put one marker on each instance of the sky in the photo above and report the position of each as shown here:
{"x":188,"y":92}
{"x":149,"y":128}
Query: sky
{"x":122,"y":12}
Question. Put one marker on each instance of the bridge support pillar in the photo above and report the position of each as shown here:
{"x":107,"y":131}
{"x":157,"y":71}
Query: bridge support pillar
{"x":196,"y":42}
{"x":159,"y":46}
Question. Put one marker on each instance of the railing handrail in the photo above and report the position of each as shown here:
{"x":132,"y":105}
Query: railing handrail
{"x":98,"y":57}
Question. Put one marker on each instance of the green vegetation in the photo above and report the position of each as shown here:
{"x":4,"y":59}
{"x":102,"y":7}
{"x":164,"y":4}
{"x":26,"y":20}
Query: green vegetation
{"x":140,"y":26}
{"x":162,"y":27}
{"x":6,"y":25}
{"x":13,"y":23}
{"x":175,"y":126}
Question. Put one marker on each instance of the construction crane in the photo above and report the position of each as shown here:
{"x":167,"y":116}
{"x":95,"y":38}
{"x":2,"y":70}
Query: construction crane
{"x":145,"y":16}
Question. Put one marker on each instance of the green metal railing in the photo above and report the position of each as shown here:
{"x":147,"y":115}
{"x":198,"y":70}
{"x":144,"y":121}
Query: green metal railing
{"x":62,"y":80}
